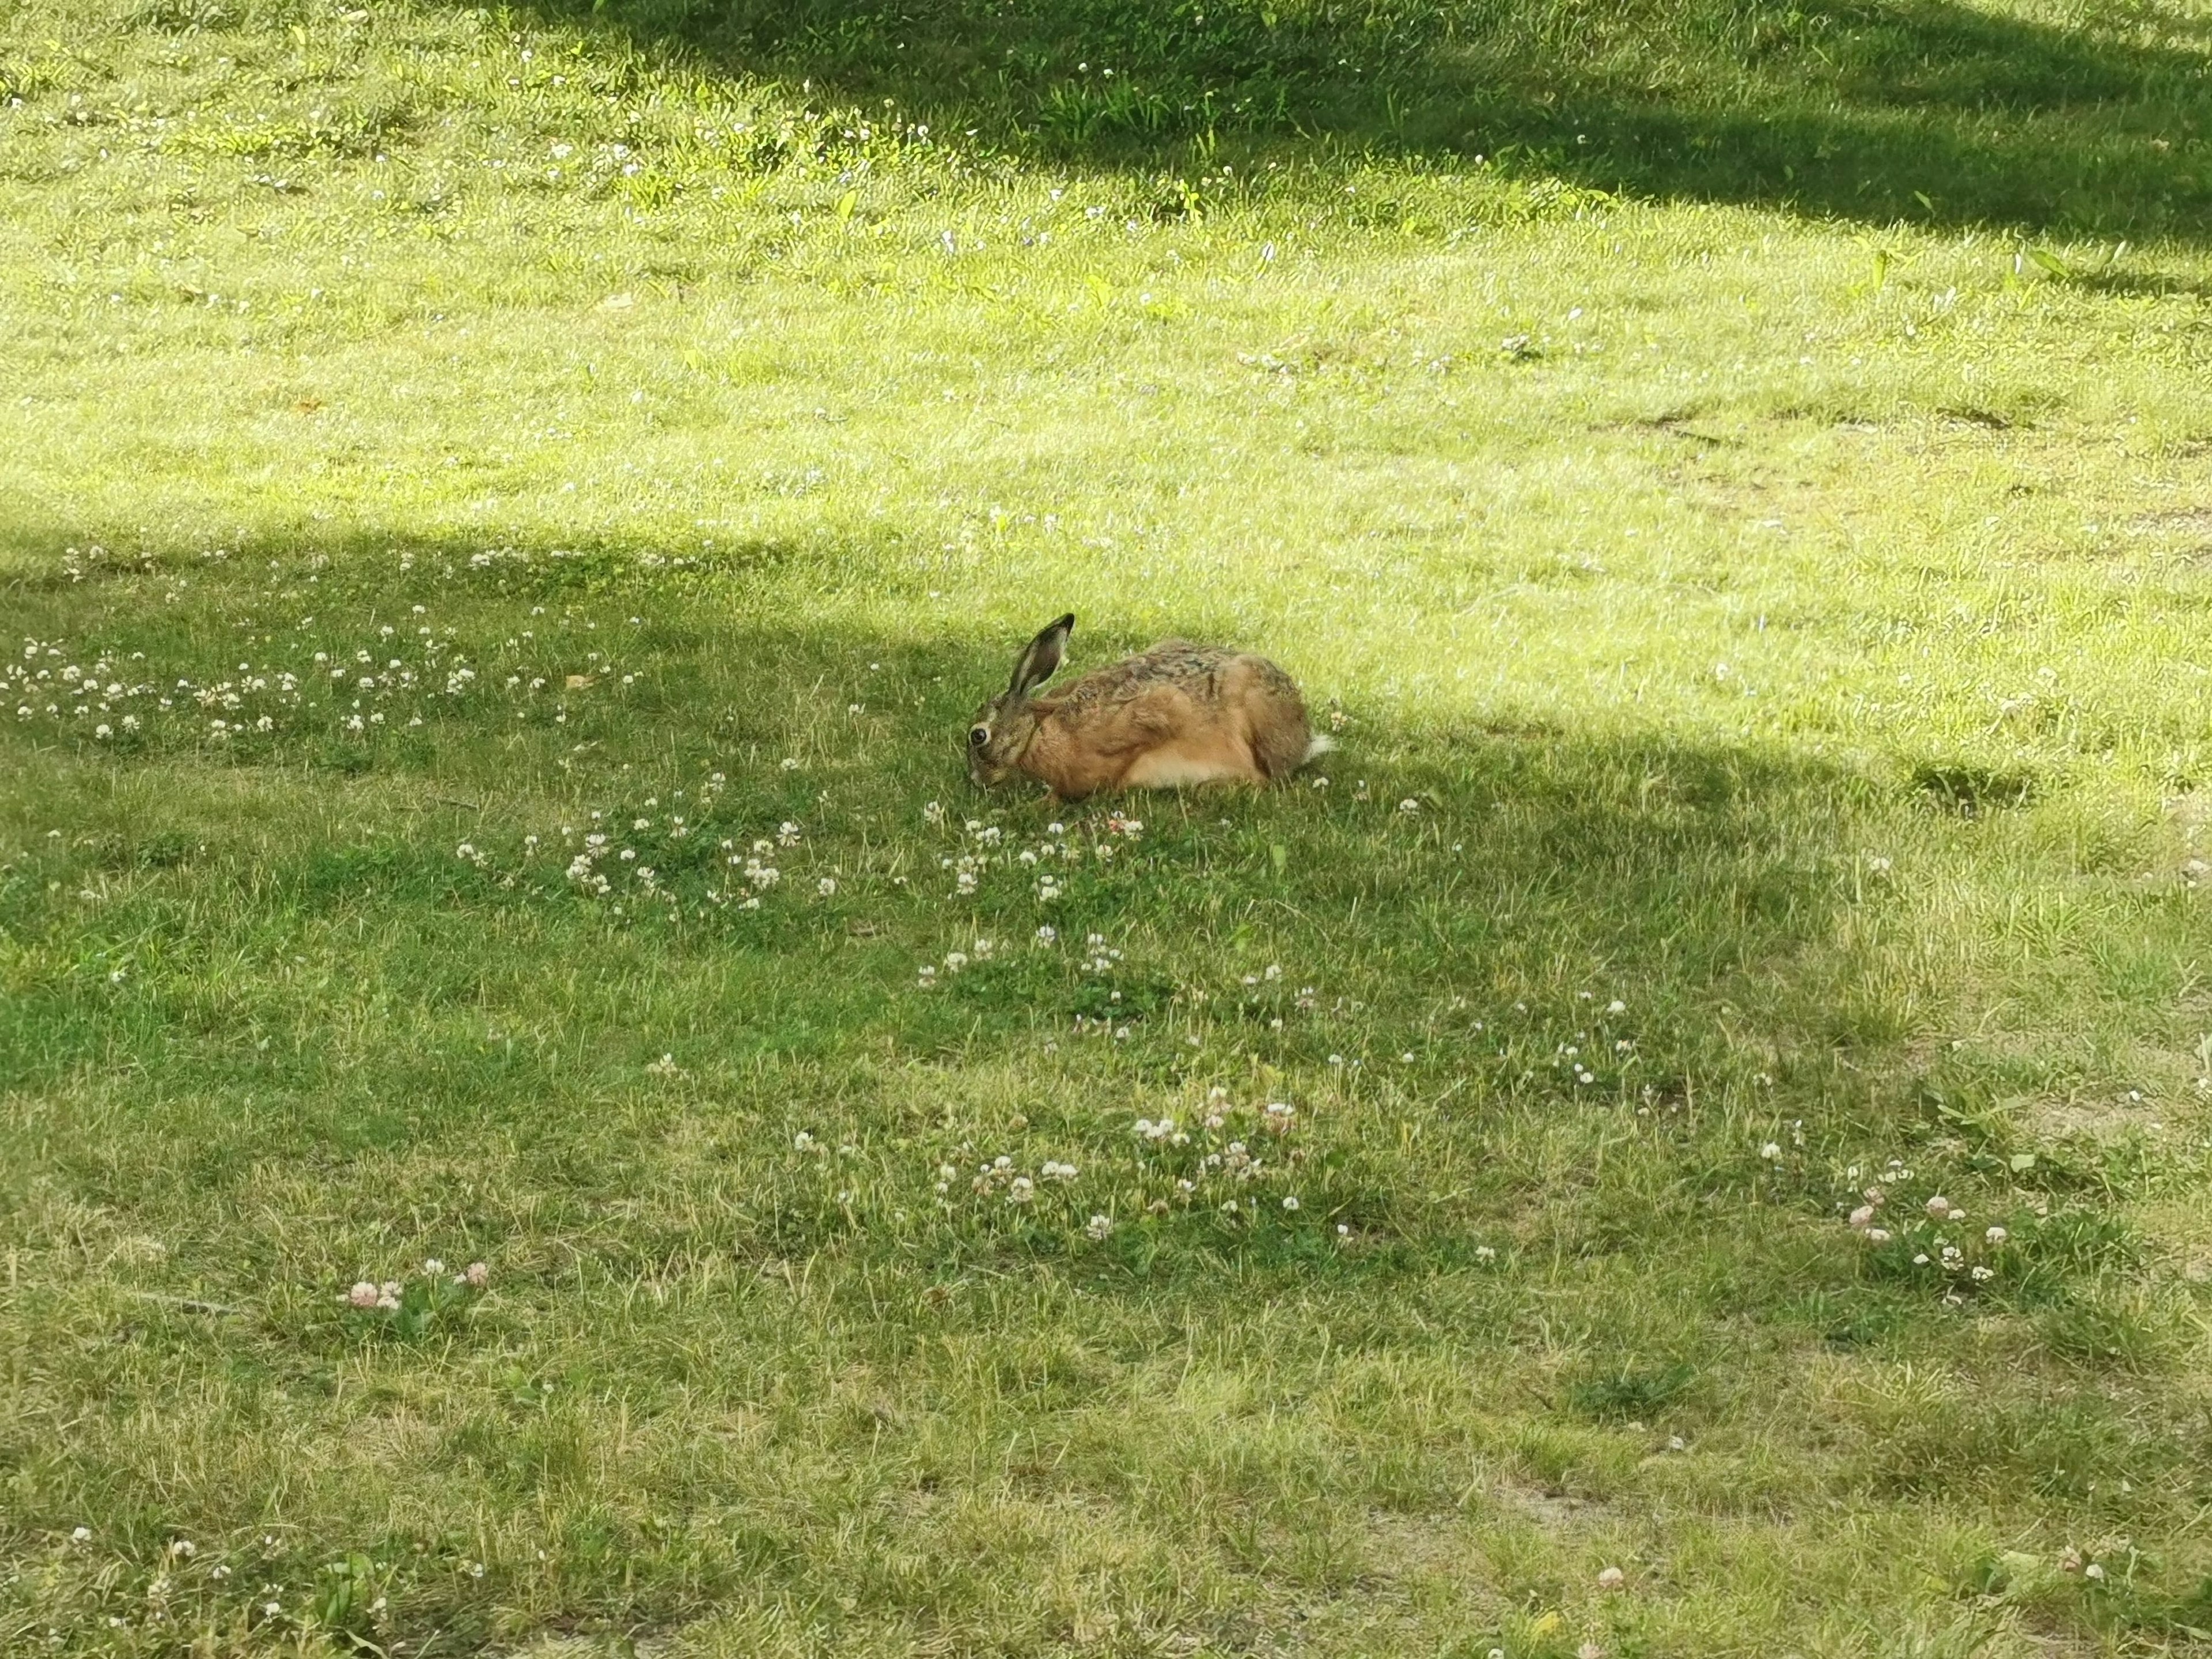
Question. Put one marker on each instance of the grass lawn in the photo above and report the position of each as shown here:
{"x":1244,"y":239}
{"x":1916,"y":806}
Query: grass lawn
{"x":503,"y":518}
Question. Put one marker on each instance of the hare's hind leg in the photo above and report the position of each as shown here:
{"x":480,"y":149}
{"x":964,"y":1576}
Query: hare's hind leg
{"x":1213,"y":758}
{"x":1281,"y":740}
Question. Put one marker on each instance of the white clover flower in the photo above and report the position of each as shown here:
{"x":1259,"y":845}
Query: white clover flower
{"x":80,"y":1535}
{"x":1878,"y":1236}
{"x":477,"y":1274}
{"x":1996,"y":1235}
{"x":1048,"y":934}
{"x":1289,"y":1200}
{"x":1770,"y":1151}
{"x":1863,"y":1216}
{"x":1939,"y":1207}
{"x":1612,"y":1578}
{"x":363,"y":1295}
{"x":1482,"y":1252}
{"x":802,"y":1142}
{"x":1022,"y":1190}
{"x":1983,"y":1275}
{"x":827,"y":886}
{"x":433,"y":1266}
{"x":1098,"y":1227}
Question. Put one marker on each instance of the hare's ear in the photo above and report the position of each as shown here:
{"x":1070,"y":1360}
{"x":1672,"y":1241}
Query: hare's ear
{"x":1040,"y":658}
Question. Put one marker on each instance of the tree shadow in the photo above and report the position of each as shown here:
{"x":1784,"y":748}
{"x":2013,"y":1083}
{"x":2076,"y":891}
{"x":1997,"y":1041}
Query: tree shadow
{"x":1923,"y":110}
{"x":1615,"y":850}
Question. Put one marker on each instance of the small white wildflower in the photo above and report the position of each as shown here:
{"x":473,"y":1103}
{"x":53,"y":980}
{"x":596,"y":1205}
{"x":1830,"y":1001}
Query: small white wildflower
{"x":1289,"y":1200}
{"x":1996,"y":1235}
{"x":1612,"y":1578}
{"x":1770,"y":1151}
{"x":826,"y":886}
{"x":1098,"y":1227}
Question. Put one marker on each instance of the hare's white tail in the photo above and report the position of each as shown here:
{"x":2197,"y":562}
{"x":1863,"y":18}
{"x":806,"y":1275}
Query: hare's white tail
{"x":1321,"y":746}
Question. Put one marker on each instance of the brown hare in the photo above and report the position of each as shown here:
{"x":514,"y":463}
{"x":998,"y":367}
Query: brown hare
{"x":1178,"y":715}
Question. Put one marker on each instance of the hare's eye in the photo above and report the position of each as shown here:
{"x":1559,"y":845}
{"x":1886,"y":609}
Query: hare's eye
{"x":978,"y":736}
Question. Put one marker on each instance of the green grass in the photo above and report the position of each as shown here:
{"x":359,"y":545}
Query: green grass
{"x":1736,"y":481}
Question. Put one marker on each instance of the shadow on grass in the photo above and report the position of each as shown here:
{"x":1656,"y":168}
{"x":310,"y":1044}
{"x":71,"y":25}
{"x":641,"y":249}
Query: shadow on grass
{"x":1872,"y":110}
{"x":1624,"y":864}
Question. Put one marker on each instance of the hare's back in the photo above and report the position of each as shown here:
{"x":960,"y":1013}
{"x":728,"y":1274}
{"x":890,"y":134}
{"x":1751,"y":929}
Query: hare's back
{"x":1204,"y":673}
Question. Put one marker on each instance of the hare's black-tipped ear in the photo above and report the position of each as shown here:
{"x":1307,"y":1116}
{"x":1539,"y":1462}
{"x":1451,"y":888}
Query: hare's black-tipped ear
{"x":1040,"y":658}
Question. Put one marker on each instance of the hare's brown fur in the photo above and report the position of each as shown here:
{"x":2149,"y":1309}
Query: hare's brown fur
{"x":1179,"y":714}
